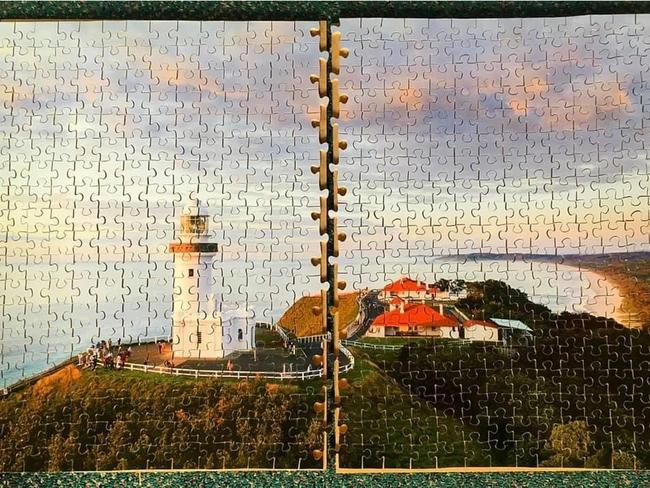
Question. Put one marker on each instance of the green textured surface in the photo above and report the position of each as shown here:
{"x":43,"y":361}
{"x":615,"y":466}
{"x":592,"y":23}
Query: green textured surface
{"x":309,"y":479}
{"x":296,"y":10}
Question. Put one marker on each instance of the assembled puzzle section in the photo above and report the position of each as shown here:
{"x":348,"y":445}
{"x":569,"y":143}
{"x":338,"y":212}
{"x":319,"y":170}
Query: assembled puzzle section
{"x":498,"y":242}
{"x":156,"y":201}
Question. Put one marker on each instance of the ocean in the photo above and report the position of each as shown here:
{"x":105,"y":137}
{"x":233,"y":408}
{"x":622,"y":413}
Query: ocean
{"x":133,"y":300}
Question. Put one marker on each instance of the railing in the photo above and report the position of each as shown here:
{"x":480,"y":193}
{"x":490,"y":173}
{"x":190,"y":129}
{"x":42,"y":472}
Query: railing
{"x":30,"y":380}
{"x":283,"y":334}
{"x":197,"y":373}
{"x":368,"y":345}
{"x":275,"y":328}
{"x":152,"y":339}
{"x":348,"y":354}
{"x":313,"y":338}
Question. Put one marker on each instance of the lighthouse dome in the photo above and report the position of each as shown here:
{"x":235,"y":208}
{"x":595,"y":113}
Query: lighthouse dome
{"x":194,"y":207}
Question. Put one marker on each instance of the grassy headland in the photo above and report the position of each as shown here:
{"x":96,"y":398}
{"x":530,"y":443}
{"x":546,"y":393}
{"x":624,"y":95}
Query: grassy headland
{"x":107,"y":420}
{"x":300,"y":319}
{"x":568,"y":397}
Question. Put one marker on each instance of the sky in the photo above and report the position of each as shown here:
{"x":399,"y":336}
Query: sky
{"x":498,"y":135}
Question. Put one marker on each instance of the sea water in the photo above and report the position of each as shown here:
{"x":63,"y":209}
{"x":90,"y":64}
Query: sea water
{"x":133,"y":300}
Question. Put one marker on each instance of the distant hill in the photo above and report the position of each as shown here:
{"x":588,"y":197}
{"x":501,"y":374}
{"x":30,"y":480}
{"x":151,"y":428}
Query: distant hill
{"x":560,"y":258}
{"x":300,"y":320}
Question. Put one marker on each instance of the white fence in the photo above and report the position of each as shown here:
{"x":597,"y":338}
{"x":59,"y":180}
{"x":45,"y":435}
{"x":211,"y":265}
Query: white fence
{"x":368,"y":345}
{"x":279,"y":375}
{"x":348,"y":354}
{"x":313,"y":338}
{"x":152,"y":339}
{"x":198,"y":373}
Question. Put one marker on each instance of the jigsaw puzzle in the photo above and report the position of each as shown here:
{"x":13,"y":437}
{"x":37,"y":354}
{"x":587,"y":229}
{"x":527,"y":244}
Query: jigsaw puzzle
{"x":498,"y":237}
{"x":155,"y":213}
{"x":169,"y":302}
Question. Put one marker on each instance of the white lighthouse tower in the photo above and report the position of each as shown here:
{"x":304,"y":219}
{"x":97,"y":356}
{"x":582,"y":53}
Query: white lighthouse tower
{"x":199,"y":329}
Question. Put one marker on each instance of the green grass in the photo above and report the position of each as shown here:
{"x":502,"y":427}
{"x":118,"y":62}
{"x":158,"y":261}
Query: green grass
{"x":388,"y":427}
{"x":146,"y":379}
{"x":267,"y":338}
{"x":390,"y":341}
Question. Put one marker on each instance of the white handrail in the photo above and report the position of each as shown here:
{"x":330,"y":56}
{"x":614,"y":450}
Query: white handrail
{"x":367,"y":345}
{"x":281,"y":375}
{"x":197,"y":373}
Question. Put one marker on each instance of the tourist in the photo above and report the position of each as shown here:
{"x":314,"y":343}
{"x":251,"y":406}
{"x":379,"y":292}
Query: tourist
{"x":80,"y":359}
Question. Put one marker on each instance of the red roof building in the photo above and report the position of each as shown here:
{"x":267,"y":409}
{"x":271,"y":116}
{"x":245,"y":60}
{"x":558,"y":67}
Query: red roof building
{"x":413,"y":319}
{"x":405,"y":288}
{"x":405,"y":284}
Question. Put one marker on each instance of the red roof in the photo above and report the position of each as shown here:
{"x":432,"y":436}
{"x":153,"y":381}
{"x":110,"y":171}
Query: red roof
{"x":421,"y":314}
{"x":405,"y":284}
{"x":485,"y":323}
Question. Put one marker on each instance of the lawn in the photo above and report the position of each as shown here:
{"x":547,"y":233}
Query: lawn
{"x":300,"y":319}
{"x":388,"y":427}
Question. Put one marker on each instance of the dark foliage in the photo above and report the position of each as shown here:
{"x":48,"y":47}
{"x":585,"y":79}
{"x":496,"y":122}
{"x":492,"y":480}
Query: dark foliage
{"x":117,"y":421}
{"x":577,"y":368}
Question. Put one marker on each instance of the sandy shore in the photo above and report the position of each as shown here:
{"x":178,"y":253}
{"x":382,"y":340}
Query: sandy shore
{"x":628,"y":296}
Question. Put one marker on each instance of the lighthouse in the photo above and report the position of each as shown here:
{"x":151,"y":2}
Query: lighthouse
{"x":200,"y":329}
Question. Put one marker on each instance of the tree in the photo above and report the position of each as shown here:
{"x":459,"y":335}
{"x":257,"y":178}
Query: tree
{"x":570,"y":445}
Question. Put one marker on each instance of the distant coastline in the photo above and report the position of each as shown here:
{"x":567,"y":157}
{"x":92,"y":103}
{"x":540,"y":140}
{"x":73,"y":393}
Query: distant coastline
{"x":628,"y":272}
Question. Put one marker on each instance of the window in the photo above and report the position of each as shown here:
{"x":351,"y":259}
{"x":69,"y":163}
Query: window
{"x":194,"y":224}
{"x":199,"y":337}
{"x":240,"y":335}
{"x":191,"y":272}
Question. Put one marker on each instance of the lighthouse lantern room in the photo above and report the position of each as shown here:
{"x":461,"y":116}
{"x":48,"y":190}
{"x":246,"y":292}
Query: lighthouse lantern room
{"x":199,"y":329}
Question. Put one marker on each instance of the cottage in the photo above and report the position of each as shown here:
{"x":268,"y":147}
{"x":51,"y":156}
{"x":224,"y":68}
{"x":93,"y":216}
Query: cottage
{"x":480,"y":330}
{"x":414,"y":320}
{"x":406,"y":289}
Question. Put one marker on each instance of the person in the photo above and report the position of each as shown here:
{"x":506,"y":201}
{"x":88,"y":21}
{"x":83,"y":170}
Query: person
{"x":229,"y":365}
{"x":160,"y":348}
{"x":110,"y":344}
{"x":128,"y":352}
{"x":95,"y":360}
{"x":80,"y":359}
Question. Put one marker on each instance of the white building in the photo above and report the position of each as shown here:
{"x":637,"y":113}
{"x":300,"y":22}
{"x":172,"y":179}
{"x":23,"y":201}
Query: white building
{"x":199,"y":328}
{"x":480,"y":330}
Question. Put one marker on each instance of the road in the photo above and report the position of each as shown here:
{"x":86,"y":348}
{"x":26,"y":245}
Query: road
{"x":369,"y":308}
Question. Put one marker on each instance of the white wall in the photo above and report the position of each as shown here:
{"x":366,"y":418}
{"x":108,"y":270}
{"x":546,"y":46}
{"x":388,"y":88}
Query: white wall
{"x":482,"y":333}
